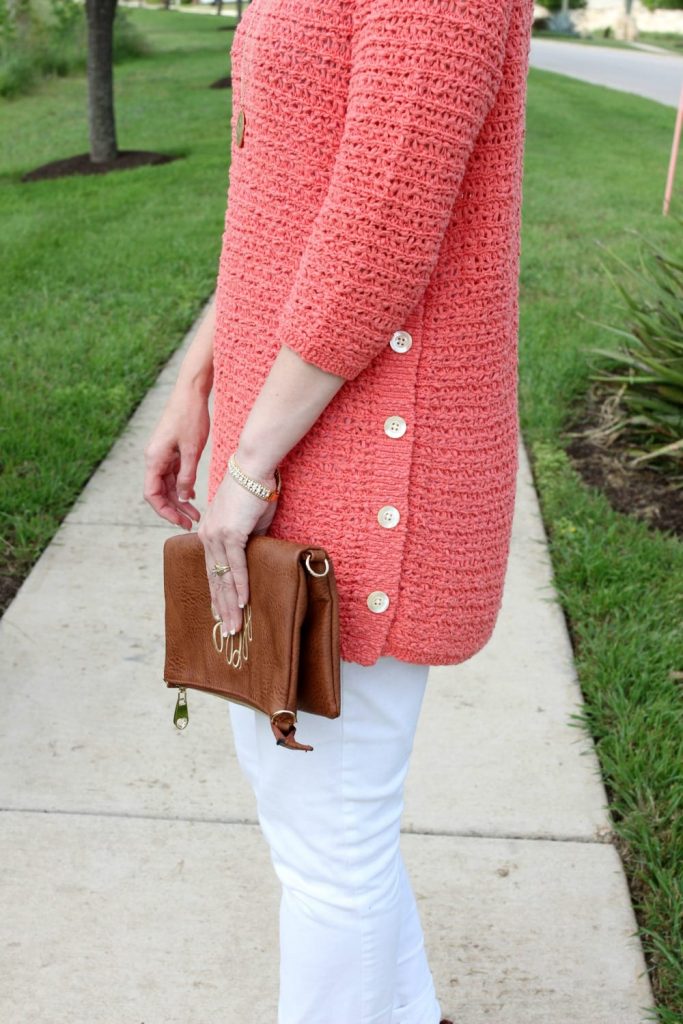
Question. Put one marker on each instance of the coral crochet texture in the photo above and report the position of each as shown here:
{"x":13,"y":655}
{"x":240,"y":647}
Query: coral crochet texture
{"x":373,"y":225}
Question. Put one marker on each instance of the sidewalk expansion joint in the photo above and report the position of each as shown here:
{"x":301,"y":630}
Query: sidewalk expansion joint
{"x":120,"y":522}
{"x":601,"y":837}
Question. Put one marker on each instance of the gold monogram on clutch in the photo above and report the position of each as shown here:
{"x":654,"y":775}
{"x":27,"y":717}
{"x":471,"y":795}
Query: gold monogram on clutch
{"x":235,"y":649}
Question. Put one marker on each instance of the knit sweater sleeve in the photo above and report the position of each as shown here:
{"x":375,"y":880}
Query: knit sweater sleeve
{"x":423,"y":78}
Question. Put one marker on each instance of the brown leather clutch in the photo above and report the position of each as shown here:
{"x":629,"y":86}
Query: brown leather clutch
{"x":285,"y":657}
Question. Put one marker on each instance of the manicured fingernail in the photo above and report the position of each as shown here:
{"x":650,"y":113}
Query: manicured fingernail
{"x":240,"y":604}
{"x":224,"y":630}
{"x":232,"y":632}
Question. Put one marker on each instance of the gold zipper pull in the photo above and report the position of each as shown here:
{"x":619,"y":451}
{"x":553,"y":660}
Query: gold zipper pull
{"x":181,"y":715}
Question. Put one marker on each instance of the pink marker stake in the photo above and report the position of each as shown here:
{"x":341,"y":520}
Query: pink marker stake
{"x":674,"y":155}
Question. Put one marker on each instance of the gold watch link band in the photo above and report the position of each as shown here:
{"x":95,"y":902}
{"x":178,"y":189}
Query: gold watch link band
{"x":254,"y":486}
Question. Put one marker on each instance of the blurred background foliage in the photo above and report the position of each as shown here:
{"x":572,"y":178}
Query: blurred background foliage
{"x":48,"y":37}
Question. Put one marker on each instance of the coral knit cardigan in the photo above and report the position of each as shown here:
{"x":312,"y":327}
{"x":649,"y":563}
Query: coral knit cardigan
{"x":373,"y":226}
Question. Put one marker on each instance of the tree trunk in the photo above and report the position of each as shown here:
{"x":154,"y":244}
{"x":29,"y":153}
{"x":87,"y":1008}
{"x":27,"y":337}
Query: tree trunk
{"x":625,"y":26}
{"x":101,"y":121}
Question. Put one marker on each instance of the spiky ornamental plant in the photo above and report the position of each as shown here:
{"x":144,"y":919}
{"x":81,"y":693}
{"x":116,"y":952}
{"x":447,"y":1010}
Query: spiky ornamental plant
{"x":645,"y":372}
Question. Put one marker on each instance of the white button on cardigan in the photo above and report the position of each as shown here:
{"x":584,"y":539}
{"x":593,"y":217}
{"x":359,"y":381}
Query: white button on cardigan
{"x":378,"y":601}
{"x":394,"y":426}
{"x":388,"y":516}
{"x":401,"y":341}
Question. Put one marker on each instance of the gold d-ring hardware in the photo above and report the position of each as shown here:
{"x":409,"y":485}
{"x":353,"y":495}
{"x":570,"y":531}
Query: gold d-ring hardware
{"x":283,"y":711}
{"x":312,"y":571}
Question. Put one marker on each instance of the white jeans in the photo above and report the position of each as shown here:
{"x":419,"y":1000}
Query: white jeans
{"x":351,"y":943}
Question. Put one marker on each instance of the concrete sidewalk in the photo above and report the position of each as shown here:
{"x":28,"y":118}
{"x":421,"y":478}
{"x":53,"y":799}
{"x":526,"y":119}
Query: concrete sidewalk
{"x":136,"y":886}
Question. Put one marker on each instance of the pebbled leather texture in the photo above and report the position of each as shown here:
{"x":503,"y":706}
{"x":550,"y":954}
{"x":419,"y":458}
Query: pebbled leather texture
{"x":291,"y":662}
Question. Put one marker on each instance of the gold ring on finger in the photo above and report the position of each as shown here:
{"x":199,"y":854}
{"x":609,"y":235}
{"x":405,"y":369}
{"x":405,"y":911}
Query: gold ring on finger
{"x":220,"y":570}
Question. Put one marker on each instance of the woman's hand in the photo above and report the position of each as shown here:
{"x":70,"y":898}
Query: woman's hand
{"x":233,"y":515}
{"x":290,"y":400}
{"x":172,"y":455}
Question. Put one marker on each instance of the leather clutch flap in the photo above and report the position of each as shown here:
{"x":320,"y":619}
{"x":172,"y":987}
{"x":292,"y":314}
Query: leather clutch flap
{"x":285,"y":657}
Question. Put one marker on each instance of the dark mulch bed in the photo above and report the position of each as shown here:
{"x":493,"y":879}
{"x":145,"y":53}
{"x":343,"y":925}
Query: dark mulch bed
{"x":603,"y":462}
{"x":8,"y":588}
{"x":82,"y":164}
{"x":222,"y":83}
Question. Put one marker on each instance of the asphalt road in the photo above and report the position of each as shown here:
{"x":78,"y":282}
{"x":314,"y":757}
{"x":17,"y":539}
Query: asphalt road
{"x":657,"y":76}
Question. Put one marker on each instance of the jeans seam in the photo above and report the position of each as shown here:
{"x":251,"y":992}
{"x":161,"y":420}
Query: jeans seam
{"x":350,"y":867}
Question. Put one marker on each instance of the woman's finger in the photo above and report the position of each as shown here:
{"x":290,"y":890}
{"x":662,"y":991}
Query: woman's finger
{"x":187,"y":473}
{"x":159,"y":486}
{"x":184,"y":507}
{"x":155,"y":493}
{"x":221,"y":586}
{"x":237,"y":557}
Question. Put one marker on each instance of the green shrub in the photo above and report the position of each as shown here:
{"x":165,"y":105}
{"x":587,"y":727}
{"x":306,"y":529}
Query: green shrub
{"x":39,"y":38}
{"x":669,"y":4}
{"x":645,"y":372}
{"x":556,"y":5}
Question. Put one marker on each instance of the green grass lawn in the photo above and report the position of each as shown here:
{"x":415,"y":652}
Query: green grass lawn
{"x":667,"y":40}
{"x":102,"y":274}
{"x":592,"y":40}
{"x":595,"y":169}
{"x":102,"y":277}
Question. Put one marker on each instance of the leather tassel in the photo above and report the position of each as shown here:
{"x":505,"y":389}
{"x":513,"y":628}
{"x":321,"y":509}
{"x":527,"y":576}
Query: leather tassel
{"x":287,"y":739}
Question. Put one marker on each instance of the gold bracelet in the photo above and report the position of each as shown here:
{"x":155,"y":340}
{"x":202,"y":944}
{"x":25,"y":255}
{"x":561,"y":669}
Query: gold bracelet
{"x":259,"y":489}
